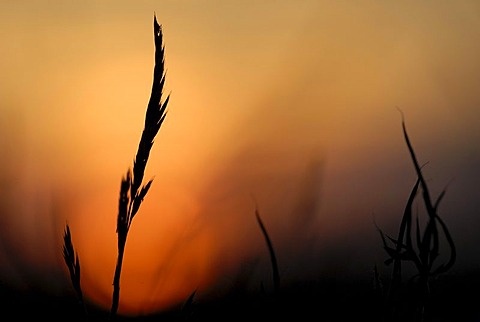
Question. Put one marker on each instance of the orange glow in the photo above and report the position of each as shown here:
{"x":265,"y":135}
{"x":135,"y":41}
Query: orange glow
{"x":258,"y":94}
{"x":166,"y":256}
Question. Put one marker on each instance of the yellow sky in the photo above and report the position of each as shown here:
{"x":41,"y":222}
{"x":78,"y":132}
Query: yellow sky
{"x":260,"y":91}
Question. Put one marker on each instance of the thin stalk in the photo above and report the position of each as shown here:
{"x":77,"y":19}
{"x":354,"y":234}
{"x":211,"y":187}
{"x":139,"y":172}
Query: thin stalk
{"x":132,"y":190}
{"x":116,"y":279}
{"x":273,"y":258}
{"x":73,"y":263}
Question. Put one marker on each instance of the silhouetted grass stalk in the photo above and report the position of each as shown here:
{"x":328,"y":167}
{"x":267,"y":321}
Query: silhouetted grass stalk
{"x":273,"y":258}
{"x":73,"y":263}
{"x":132,"y":190}
{"x":187,"y":308}
{"x":427,"y":247}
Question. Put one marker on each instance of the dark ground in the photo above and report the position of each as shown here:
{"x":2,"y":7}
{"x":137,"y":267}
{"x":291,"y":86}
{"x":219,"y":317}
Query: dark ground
{"x":454,"y":298}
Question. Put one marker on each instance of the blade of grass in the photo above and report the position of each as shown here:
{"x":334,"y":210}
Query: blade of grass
{"x":428,"y":243}
{"x":273,"y":258}
{"x":187,"y":308}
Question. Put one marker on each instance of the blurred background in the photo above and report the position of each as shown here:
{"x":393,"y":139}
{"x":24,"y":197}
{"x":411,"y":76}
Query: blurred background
{"x":289,"y":106}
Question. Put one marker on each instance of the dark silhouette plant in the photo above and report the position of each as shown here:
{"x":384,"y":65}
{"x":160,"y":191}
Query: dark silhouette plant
{"x":73,"y":263}
{"x":423,"y":250}
{"x":132,"y":188}
{"x":271,"y":251}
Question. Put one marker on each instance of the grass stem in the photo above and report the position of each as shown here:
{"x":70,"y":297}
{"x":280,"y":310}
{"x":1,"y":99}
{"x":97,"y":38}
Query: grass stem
{"x":132,"y":190}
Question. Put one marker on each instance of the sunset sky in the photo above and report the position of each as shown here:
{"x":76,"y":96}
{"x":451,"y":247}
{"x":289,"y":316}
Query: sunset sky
{"x":291,"y":106}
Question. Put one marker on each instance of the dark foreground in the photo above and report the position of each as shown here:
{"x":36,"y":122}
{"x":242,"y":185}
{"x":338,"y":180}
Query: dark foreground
{"x":454,"y":298}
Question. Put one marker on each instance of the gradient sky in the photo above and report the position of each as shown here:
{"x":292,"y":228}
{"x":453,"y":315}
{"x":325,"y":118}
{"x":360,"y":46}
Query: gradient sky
{"x":289,"y":105}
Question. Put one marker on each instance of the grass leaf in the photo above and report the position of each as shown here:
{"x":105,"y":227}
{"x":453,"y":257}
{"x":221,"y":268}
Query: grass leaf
{"x":273,"y":258}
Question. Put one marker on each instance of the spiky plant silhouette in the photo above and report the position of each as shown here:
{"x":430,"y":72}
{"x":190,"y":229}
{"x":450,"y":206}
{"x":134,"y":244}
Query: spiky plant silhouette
{"x":132,"y":189}
{"x":425,"y":252}
{"x":73,"y":263}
